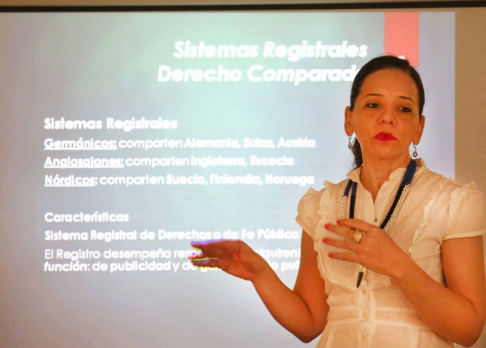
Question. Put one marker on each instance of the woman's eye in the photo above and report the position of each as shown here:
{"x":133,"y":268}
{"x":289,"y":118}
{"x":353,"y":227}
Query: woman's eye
{"x":372,"y":105}
{"x":405,"y":109}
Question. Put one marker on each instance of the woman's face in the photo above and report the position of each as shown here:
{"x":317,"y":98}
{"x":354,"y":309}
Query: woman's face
{"x":385,"y":117}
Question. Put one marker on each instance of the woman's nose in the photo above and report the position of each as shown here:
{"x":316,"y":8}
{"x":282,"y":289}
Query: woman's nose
{"x":388,"y":117}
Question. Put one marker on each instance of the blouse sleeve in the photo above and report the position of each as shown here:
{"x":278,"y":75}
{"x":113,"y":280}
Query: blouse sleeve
{"x":466,"y":213}
{"x":308,"y":211}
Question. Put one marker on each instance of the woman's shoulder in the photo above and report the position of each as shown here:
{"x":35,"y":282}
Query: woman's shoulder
{"x":464,"y":205}
{"x":460,"y":201}
{"x":312,"y":198}
{"x":313,"y":193}
{"x":446,"y":185}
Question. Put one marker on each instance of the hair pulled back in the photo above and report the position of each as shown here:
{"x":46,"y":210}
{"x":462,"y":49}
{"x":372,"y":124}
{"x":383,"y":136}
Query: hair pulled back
{"x":374,"y":65}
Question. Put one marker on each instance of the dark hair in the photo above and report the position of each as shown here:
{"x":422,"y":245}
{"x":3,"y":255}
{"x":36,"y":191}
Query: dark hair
{"x":374,"y":65}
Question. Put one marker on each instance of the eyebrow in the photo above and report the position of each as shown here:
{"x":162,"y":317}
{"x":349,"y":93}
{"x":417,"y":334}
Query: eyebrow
{"x":381,"y":95}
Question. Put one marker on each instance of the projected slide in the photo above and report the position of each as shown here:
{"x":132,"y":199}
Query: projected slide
{"x":125,"y":136}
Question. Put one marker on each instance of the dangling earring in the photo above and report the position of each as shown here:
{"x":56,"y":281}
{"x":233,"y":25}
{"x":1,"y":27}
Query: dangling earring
{"x":350,"y":144}
{"x":415,"y":153}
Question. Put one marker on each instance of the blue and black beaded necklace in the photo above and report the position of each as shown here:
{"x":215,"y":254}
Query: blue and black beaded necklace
{"x":394,"y":209}
{"x":397,"y":202}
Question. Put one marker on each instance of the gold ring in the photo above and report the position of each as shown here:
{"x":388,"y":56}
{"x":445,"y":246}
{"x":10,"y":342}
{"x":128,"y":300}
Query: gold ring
{"x":357,"y":236}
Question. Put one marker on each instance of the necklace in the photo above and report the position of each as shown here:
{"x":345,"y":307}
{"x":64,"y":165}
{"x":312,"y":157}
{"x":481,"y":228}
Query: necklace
{"x":394,"y":209}
{"x":397,"y":202}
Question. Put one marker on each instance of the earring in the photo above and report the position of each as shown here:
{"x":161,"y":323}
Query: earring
{"x":415,"y":153}
{"x":350,"y":144}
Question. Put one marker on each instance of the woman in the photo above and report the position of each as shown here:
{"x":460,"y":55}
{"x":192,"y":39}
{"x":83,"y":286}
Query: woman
{"x":391,"y":256}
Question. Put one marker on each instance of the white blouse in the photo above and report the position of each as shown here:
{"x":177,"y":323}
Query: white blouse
{"x":377,"y":314}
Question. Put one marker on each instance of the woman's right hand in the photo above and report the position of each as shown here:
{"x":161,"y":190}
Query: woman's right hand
{"x":232,"y":256}
{"x":302,"y":311}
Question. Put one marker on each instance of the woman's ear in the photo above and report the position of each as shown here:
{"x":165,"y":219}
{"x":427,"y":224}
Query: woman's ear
{"x":348,"y":126}
{"x":420,"y":131}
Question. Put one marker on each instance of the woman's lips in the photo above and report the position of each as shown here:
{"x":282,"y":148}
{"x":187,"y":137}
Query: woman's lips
{"x":384,"y":136}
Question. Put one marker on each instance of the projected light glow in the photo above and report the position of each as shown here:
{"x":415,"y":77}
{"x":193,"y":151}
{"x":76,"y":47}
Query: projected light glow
{"x":128,"y":135}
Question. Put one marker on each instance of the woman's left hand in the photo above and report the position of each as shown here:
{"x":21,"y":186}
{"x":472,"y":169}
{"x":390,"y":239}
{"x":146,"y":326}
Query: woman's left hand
{"x":376,"y":250}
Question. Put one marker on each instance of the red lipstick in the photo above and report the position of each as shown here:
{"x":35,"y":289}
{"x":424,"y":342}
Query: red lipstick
{"x":384,"y":136}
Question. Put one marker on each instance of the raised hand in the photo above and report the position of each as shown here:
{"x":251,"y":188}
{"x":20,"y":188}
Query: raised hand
{"x":232,"y":256}
{"x":376,"y":251}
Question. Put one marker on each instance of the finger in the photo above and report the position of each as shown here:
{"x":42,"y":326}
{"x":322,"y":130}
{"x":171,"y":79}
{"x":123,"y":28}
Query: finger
{"x":194,"y":253}
{"x":343,"y":244}
{"x":196,"y":245}
{"x":210,"y":248}
{"x":210,"y":263}
{"x":341,"y":230}
{"x":356,"y":224}
{"x":350,"y":257}
{"x":198,"y":256}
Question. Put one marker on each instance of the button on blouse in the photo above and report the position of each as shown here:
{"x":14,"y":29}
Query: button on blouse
{"x":377,"y":315}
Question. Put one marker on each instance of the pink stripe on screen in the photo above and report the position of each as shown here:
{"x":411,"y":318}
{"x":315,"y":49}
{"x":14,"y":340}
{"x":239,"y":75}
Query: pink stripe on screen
{"x":402,"y":35}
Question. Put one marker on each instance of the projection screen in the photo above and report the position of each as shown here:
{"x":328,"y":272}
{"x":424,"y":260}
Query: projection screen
{"x":127,"y":135}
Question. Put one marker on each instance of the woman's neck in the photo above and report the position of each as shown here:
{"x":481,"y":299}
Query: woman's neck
{"x":375,"y":172}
